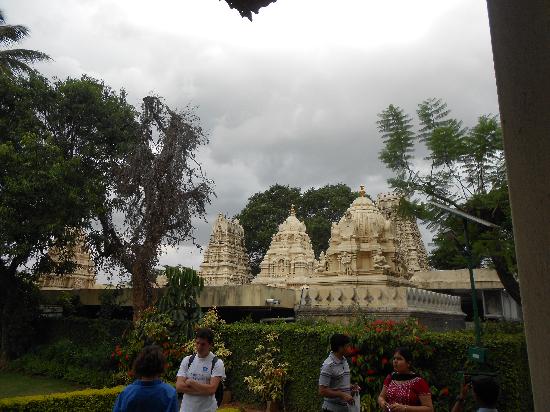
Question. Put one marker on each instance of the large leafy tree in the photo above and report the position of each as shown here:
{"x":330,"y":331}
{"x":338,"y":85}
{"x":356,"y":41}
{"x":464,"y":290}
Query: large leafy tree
{"x":16,"y":61}
{"x":154,"y":193}
{"x":462,"y":167}
{"x":57,"y":144}
{"x":265,"y":211}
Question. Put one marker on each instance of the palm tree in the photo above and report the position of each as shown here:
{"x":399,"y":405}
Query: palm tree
{"x":16,"y":61}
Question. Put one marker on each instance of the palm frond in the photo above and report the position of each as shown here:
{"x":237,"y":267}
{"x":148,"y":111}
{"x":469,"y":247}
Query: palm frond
{"x":12,"y":34}
{"x":16,"y":61}
{"x":27,"y":56}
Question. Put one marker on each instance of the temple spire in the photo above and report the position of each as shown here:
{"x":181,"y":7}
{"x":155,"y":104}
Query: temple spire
{"x":362,"y":192}
{"x":292,"y":211}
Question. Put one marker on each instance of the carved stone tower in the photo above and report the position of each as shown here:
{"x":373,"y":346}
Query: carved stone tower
{"x":225,"y":261}
{"x":411,"y":254}
{"x":83,"y":276}
{"x":290,"y":260}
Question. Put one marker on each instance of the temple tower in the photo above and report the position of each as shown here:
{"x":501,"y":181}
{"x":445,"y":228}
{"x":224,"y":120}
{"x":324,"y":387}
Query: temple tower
{"x":83,"y":276}
{"x":225,"y":261}
{"x":290,"y":260}
{"x":411,"y":254}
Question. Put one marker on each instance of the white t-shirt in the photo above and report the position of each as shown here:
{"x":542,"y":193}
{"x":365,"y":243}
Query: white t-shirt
{"x":200,"y":372}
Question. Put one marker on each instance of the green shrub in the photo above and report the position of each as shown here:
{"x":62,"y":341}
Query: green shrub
{"x":87,"y":365}
{"x":439,"y":357}
{"x":90,"y":400}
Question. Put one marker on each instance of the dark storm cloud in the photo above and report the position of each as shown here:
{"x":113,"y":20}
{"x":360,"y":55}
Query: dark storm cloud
{"x":298,"y":110}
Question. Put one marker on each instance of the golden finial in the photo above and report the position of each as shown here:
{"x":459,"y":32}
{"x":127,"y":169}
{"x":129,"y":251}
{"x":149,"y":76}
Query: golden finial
{"x":362,"y":192}
{"x":292,"y":211}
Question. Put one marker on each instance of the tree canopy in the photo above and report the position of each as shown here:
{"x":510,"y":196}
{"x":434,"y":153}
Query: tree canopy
{"x":463,"y":167}
{"x":317,"y":208}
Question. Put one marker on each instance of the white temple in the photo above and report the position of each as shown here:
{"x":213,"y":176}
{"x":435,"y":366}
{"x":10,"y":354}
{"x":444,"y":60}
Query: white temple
{"x":225,"y":261}
{"x":290,"y":260}
{"x":411,"y":256}
{"x":83,"y":276}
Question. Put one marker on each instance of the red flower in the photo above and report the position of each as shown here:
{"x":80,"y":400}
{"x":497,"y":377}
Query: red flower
{"x":384,"y":361}
{"x":112,"y":355}
{"x":378,"y":330}
{"x":370,"y":379}
{"x":444,"y":392}
{"x":354,"y":359}
{"x":127,"y":357}
{"x":371,"y":372}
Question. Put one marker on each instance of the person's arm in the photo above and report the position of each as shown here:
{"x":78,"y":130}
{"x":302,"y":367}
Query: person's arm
{"x":327,"y":392}
{"x":382,"y":399}
{"x":196,"y":388}
{"x":459,"y":404}
{"x":425,"y":405}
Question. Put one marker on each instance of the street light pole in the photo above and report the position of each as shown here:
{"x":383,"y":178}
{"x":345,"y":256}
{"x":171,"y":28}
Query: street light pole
{"x":477,"y":353}
{"x":468,"y":253}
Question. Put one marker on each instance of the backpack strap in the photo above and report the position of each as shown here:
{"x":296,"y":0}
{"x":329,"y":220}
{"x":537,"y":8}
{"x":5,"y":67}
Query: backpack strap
{"x":213,"y":364}
{"x":191,"y":359}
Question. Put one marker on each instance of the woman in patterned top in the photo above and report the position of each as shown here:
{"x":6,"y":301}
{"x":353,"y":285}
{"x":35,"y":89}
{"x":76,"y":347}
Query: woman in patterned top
{"x":403,"y":390}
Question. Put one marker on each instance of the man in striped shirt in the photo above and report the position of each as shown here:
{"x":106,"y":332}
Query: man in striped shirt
{"x":334,"y":380}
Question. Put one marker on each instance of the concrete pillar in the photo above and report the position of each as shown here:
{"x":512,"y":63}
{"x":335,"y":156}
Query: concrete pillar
{"x":520,"y":34}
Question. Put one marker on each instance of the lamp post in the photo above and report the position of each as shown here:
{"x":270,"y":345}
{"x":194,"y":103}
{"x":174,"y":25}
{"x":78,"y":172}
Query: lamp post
{"x":477,"y":353}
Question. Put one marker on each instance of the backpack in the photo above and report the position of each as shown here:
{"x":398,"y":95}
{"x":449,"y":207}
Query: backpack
{"x":219,"y":390}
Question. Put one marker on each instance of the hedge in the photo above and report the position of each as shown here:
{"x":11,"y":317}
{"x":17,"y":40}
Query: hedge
{"x":74,"y":349}
{"x":90,"y":400}
{"x":304,"y":347}
{"x":440,"y":357}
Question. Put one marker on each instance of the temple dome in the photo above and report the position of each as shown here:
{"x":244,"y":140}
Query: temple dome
{"x":292,"y":224}
{"x":363,"y":219}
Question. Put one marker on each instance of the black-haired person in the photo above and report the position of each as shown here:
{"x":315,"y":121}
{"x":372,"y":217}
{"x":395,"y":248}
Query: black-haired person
{"x":200,"y":375}
{"x":334,"y":379}
{"x":485,"y":390}
{"x":148,"y":393}
{"x":403,"y":390}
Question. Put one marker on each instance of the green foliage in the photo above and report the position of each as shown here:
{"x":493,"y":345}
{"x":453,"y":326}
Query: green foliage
{"x":87,"y":365}
{"x":270,"y":375}
{"x":16,"y":61}
{"x":180,"y":300}
{"x":89,"y":400}
{"x":74,"y":349}
{"x":265,"y":211}
{"x":18,"y":329}
{"x":464,"y":168}
{"x":57,"y":143}
{"x":439,"y":356}
{"x":158,"y":328}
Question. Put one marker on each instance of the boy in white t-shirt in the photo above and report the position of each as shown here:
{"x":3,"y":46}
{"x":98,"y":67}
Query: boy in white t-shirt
{"x":199,"y":376}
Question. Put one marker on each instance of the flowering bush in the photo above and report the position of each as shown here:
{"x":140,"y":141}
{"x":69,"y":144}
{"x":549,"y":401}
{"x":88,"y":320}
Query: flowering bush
{"x":372,"y":350}
{"x":271,"y":374}
{"x":158,"y":328}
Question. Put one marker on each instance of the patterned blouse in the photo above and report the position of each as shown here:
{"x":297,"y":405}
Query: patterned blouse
{"x":406,"y":392}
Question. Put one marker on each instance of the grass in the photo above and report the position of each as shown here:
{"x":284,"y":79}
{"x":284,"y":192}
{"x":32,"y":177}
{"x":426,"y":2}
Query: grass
{"x":16,"y":384}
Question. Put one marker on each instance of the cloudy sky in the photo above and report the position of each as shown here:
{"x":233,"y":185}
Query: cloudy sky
{"x":290,"y":98}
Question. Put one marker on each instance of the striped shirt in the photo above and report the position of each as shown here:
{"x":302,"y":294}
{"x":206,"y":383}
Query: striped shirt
{"x":335,"y":375}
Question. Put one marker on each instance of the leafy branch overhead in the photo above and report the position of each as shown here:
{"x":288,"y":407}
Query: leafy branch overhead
{"x":439,"y":159}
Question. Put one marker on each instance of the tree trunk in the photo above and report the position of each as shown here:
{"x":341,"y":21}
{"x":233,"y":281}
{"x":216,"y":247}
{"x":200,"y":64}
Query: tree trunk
{"x":141,"y":290}
{"x":507,"y":278}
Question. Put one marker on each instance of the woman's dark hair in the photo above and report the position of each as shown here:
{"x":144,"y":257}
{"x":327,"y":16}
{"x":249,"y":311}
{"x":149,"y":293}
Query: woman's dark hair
{"x":337,"y":341}
{"x":149,"y":362}
{"x":486,"y":390}
{"x":405,"y":352}
{"x":205,"y":333}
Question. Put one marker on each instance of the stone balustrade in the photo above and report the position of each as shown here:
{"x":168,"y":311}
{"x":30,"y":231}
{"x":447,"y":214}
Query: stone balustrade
{"x":425,"y":299}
